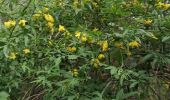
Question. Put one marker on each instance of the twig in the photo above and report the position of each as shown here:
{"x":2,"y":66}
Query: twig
{"x":159,"y":98}
{"x":107,"y":85}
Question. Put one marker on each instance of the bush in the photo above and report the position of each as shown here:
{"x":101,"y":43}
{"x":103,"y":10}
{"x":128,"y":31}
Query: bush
{"x":85,"y":49}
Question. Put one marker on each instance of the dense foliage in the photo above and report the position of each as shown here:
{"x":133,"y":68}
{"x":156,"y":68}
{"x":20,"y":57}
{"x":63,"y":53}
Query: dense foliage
{"x":84,"y":50}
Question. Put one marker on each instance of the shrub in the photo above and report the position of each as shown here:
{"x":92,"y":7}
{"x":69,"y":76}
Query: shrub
{"x":84,"y":49}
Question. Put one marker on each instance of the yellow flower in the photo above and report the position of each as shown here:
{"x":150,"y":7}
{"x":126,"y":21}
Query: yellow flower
{"x":134,"y":44}
{"x":39,"y":11}
{"x":95,"y":63}
{"x":22,"y":23}
{"x":72,"y":49}
{"x":12,"y":56}
{"x":61,"y":28}
{"x":105,"y":45}
{"x":99,"y":43}
{"x":49,"y":18}
{"x":36,"y":16}
{"x":166,"y":6}
{"x":101,"y":56}
{"x":26,"y":51}
{"x":77,"y":34}
{"x":160,"y":5}
{"x":84,"y":38}
{"x":75,"y":72}
{"x":163,"y":6}
{"x":50,"y":25}
{"x":148,"y":22}
{"x":10,"y":23}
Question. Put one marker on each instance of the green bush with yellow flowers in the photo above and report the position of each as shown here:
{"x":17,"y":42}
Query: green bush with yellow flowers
{"x":84,"y":50}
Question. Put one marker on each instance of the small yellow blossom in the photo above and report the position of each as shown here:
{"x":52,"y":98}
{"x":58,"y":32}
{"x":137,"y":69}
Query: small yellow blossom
{"x":95,"y":63}
{"x":10,"y":23}
{"x":39,"y":11}
{"x":163,"y":6}
{"x":101,"y":56}
{"x":26,"y":51}
{"x":84,"y":38}
{"x":50,"y":25}
{"x":49,"y":18}
{"x":72,"y":49}
{"x":12,"y":56}
{"x":134,"y":44}
{"x":22,"y":23}
{"x":61,"y":28}
{"x":99,"y":43}
{"x":166,"y":6}
{"x":75,"y":72}
{"x":160,"y":5}
{"x":148,"y":22}
{"x":77,"y":34}
{"x":105,"y":45}
{"x":36,"y":16}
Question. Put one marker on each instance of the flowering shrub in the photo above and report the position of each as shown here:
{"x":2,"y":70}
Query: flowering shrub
{"x":84,"y":49}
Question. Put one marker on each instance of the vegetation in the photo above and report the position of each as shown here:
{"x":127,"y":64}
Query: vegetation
{"x":84,"y":50}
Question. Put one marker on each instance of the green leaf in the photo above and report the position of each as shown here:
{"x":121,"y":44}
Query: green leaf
{"x":119,"y":95}
{"x":145,"y":58}
{"x":129,"y":95}
{"x":5,"y":50}
{"x":72,"y":57}
{"x":4,"y":95}
{"x":166,"y":38}
{"x":58,"y":61}
{"x":113,"y":70}
{"x":2,"y":43}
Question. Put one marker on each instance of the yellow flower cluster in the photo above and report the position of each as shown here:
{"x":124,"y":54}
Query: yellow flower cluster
{"x":83,"y":37}
{"x":61,"y":28}
{"x":134,"y":44}
{"x":105,"y":45}
{"x":26,"y":51}
{"x":77,"y":34}
{"x":95,"y":63}
{"x":101,"y":56}
{"x":10,"y":23}
{"x":12,"y":56}
{"x":72,"y":49}
{"x":148,"y":22}
{"x":36,"y":16}
{"x":164,"y":6}
{"x":49,"y":18}
{"x":22,"y":23}
{"x":75,"y":72}
{"x":50,"y":21}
